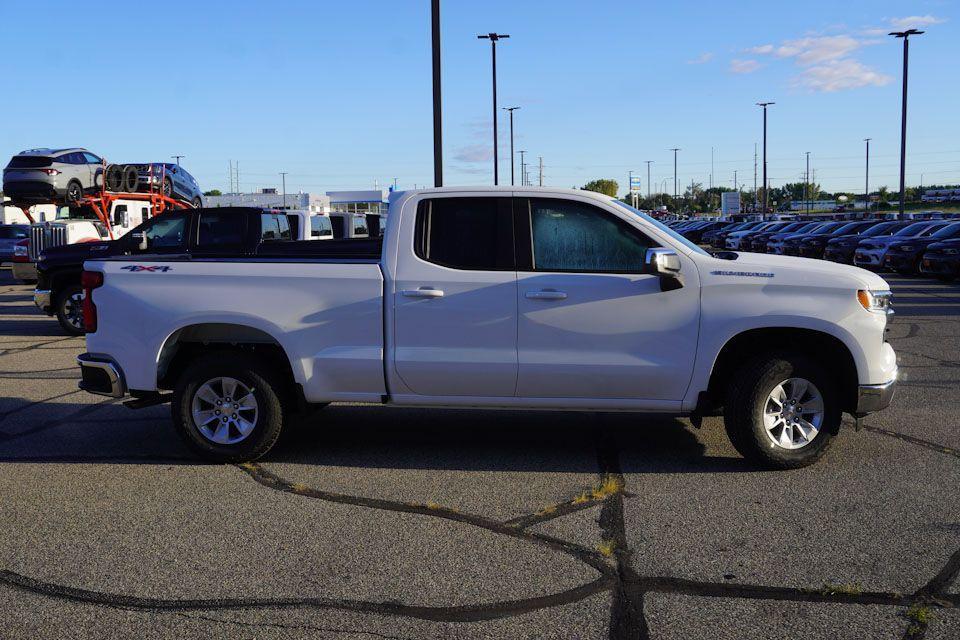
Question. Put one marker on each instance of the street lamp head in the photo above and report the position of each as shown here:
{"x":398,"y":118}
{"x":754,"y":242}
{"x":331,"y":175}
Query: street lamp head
{"x":905,"y":34}
{"x":511,"y":109}
{"x":493,"y":36}
{"x":765,"y":104}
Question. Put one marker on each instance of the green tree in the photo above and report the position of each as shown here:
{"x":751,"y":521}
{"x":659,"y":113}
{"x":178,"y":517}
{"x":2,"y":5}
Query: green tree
{"x":605,"y":186}
{"x":213,"y":192}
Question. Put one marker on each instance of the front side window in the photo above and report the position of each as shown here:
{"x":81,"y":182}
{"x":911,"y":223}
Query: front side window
{"x":575,"y":236}
{"x":466,"y":233}
{"x":166,"y":232}
{"x":320,"y":227}
{"x":91,"y":159}
{"x":269,"y":227}
{"x":283,"y":223}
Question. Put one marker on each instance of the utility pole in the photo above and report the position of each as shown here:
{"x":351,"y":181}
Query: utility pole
{"x":178,"y":159}
{"x":766,"y":190}
{"x":630,"y":186}
{"x":905,"y":35}
{"x":541,"y":170}
{"x":394,"y":184}
{"x":674,"y":172}
{"x":648,"y":177}
{"x":806,"y":186}
{"x":493,"y":38}
{"x":283,"y":175}
{"x":866,"y":181}
{"x":711,"y":167}
{"x":437,"y":117}
{"x":511,"y":110}
{"x":756,"y":194}
{"x":523,"y":172}
{"x":735,"y":180}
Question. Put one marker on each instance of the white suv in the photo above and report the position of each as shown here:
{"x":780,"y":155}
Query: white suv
{"x":42,"y":175}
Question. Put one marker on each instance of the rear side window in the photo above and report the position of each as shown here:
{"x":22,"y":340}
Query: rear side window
{"x":466,"y":233}
{"x":284,"y":224}
{"x":220,"y":229}
{"x":294,"y":221}
{"x":166,"y":232}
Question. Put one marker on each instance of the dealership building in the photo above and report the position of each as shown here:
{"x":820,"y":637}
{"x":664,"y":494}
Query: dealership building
{"x":362,"y":202}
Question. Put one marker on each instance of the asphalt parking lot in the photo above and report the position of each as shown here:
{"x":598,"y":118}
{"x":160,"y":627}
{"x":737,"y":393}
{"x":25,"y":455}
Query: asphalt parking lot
{"x":369,"y":522}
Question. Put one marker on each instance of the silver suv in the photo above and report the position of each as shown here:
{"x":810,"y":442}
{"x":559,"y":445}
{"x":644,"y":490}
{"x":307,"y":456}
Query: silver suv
{"x":42,"y":175}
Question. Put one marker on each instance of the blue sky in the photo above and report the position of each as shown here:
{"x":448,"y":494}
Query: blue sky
{"x":338,"y":94}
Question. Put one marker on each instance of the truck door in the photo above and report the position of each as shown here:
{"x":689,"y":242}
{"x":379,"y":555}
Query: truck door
{"x":591,"y":323}
{"x":455,"y":300}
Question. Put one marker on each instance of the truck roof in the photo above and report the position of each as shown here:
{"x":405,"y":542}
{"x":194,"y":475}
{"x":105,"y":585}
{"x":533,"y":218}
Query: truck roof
{"x":501,"y":189}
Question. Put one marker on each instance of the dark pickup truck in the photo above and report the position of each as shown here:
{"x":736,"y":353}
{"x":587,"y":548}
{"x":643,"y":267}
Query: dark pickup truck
{"x":192,"y":233}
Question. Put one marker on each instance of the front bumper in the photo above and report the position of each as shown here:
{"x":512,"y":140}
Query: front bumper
{"x":100,"y":375}
{"x":811,"y":251}
{"x":940,"y":265}
{"x":900,"y":261}
{"x":868,"y":258}
{"x":837,"y":254}
{"x":41,"y":298}
{"x":874,"y":397}
{"x":24,"y":270}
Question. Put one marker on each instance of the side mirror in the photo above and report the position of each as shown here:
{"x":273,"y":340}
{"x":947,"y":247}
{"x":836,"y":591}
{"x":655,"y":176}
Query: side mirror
{"x":664,"y":263}
{"x":139,"y":240}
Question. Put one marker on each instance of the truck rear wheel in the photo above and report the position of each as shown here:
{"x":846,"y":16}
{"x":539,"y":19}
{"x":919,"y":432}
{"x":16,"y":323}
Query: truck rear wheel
{"x":226,"y":407}
{"x":69,"y":310}
{"x":782,"y":411}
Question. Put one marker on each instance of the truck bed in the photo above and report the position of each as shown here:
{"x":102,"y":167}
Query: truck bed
{"x":349,"y":248}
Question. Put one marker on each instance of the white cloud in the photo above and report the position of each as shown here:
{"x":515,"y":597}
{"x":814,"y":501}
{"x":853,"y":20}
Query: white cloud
{"x":702,"y":58}
{"x":474,"y":153}
{"x":744,"y":66}
{"x":818,"y":49}
{"x":914,"y":22}
{"x":761,"y":50}
{"x":837,"y":75}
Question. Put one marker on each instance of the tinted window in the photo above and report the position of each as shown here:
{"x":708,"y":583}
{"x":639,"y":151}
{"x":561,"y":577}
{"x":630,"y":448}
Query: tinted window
{"x":913,"y":229}
{"x":269,"y":227}
{"x":466,"y":233}
{"x":90,"y":158}
{"x":220,"y":229}
{"x":294,"y":221}
{"x":320,"y":227}
{"x":284,"y":224}
{"x":166,"y":232}
{"x":29,"y":162}
{"x":949,"y":231}
{"x":574,"y":236}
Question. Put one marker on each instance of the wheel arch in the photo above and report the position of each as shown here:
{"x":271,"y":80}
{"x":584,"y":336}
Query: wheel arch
{"x":822,"y":346}
{"x":187,"y":343}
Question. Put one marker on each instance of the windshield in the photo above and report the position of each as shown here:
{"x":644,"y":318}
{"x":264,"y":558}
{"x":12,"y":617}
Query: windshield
{"x":878,"y":229}
{"x":912,"y":229}
{"x":662,"y":227}
{"x":948,"y":231}
{"x":853,"y":227}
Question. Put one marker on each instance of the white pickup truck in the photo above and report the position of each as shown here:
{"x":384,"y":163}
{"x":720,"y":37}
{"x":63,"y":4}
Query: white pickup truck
{"x":495,"y":297}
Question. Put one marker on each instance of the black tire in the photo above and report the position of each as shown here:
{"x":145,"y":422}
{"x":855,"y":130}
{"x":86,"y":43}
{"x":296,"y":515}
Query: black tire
{"x":197,"y":202}
{"x":114,"y":177}
{"x":250,"y":372}
{"x":74,"y":192}
{"x":747,"y":398}
{"x":69,"y":311}
{"x":131,"y":178}
{"x":167,"y":187}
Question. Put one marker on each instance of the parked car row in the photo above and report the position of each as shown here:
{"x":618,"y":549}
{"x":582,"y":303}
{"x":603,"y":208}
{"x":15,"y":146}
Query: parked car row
{"x":909,"y":247}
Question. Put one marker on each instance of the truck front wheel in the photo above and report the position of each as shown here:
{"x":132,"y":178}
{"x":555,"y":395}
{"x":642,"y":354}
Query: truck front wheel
{"x":782,"y":411}
{"x":227,"y":409}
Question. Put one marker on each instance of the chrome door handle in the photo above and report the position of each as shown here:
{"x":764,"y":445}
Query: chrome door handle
{"x":423,"y":292}
{"x":546,"y":294}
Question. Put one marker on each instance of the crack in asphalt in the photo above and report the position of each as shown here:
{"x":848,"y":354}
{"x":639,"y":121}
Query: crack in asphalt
{"x":288,"y":627}
{"x":933,"y":446}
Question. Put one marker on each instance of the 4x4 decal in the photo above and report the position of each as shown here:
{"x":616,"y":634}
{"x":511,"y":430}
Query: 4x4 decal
{"x":136,"y":268}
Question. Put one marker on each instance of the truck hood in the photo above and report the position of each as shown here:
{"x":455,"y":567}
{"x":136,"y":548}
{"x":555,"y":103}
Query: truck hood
{"x":800,"y":271}
{"x":77,"y":252}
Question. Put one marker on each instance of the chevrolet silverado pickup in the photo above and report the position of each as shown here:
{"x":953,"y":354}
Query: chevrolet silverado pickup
{"x":493,"y":297}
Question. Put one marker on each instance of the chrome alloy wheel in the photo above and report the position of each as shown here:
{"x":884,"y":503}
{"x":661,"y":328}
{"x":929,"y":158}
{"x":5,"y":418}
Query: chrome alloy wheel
{"x":793,"y":413}
{"x":73,"y":310}
{"x":224,"y":410}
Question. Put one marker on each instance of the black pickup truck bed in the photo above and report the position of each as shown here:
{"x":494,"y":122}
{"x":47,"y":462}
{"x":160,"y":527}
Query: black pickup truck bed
{"x":353,"y":248}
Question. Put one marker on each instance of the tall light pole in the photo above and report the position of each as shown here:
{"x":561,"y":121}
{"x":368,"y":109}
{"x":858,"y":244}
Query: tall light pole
{"x":905,"y":35}
{"x":766,"y":189}
{"x":178,"y":159}
{"x":648,"y":176}
{"x":523,"y":173}
{"x":806,"y":186}
{"x":283,"y":175}
{"x":437,"y":118}
{"x":675,"y":172}
{"x":511,"y":110}
{"x":866,"y":180}
{"x":493,"y":38}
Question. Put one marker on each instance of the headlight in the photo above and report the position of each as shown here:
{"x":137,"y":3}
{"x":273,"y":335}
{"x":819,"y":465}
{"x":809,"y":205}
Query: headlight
{"x":905,"y":247}
{"x":878,"y":301}
{"x":950,"y":252}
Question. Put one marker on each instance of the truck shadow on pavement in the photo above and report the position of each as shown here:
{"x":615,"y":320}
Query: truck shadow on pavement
{"x":368,"y":437}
